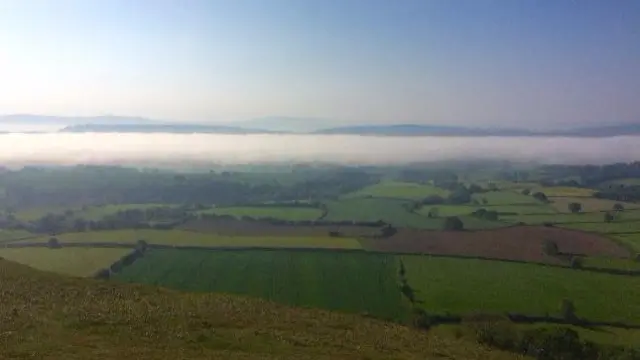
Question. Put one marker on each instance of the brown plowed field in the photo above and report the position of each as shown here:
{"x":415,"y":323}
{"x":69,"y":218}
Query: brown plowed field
{"x":259,"y":228}
{"x":522,"y":243}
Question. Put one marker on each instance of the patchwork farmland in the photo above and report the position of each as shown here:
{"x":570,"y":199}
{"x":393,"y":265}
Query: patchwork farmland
{"x":430,"y":252}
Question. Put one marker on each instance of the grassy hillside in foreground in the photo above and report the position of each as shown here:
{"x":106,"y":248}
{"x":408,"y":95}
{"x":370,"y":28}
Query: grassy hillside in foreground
{"x":351,"y":282}
{"x":56,"y":317}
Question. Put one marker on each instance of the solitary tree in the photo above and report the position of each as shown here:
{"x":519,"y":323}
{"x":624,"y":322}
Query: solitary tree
{"x":453,"y":223}
{"x":568,"y":310}
{"x":540,"y":196}
{"x":433,"y":213}
{"x":608,"y":217}
{"x":618,"y":207}
{"x":475,"y":188}
{"x":575,"y":207}
{"x":551,"y":248}
{"x":526,"y":192}
{"x":576,"y":262}
{"x":53,"y":243}
{"x":402,"y":271}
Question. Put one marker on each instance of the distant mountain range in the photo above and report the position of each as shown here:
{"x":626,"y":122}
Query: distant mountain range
{"x":280,"y":125}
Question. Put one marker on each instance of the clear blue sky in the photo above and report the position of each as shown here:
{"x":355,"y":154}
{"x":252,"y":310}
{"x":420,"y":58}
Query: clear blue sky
{"x":525,"y":63}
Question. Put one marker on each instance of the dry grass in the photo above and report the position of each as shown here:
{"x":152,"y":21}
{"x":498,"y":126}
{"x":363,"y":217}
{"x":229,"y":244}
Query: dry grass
{"x":47,"y":316}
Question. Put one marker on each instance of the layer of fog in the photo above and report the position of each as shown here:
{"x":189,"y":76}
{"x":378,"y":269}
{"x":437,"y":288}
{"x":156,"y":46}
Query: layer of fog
{"x":18,"y":149}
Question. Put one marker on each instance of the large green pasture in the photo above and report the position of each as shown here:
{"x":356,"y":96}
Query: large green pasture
{"x":505,"y":197}
{"x":351,"y":282}
{"x":276,"y":212}
{"x":464,"y":286}
{"x":399,"y":190}
{"x":393,"y":212}
{"x":190,"y":238}
{"x":69,"y":261}
{"x":388,"y":210}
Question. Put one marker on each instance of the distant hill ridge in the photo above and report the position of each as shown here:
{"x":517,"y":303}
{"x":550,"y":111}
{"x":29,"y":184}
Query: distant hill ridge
{"x":285,"y":125}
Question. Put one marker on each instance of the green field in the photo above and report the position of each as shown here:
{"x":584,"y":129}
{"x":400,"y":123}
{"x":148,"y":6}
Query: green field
{"x":563,"y":191}
{"x":8,"y":235}
{"x":99,"y":212}
{"x":463,"y":286}
{"x":611,"y":263}
{"x":628,"y":181}
{"x":393,"y":212}
{"x":588,"y":204}
{"x":351,"y":282}
{"x":399,"y":190}
{"x":631,"y":240}
{"x":606,"y":228}
{"x":505,"y":197}
{"x":190,"y":238}
{"x":69,"y":261}
{"x":568,"y":218}
{"x":276,"y":212}
{"x":388,"y":210}
{"x":87,"y":213}
{"x":457,"y":210}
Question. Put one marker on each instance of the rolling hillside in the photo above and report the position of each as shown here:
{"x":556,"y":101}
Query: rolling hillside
{"x":55,"y":317}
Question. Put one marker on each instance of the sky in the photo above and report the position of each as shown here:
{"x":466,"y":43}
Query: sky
{"x":485,"y":63}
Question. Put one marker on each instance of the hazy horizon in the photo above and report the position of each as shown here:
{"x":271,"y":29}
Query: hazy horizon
{"x":525,"y":64}
{"x":21,"y":149}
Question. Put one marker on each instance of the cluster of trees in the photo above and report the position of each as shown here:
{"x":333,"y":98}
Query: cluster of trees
{"x":549,"y":343}
{"x":95,"y":185}
{"x":625,"y":193}
{"x":485,"y":214}
{"x":592,"y":175}
{"x":128,"y":259}
{"x":162,"y":217}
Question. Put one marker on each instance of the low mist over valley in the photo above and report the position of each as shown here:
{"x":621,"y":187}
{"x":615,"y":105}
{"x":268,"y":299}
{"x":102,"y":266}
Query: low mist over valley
{"x":19,"y":149}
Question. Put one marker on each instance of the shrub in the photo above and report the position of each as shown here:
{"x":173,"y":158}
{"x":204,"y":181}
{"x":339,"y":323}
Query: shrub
{"x":540,"y":196}
{"x":608,"y":217}
{"x":53,"y":243}
{"x":433,"y":200}
{"x":574,"y":207}
{"x":551,"y":248}
{"x":568,"y":310}
{"x":103,"y":274}
{"x":526,"y":192}
{"x":453,"y":223}
{"x":576,"y":262}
